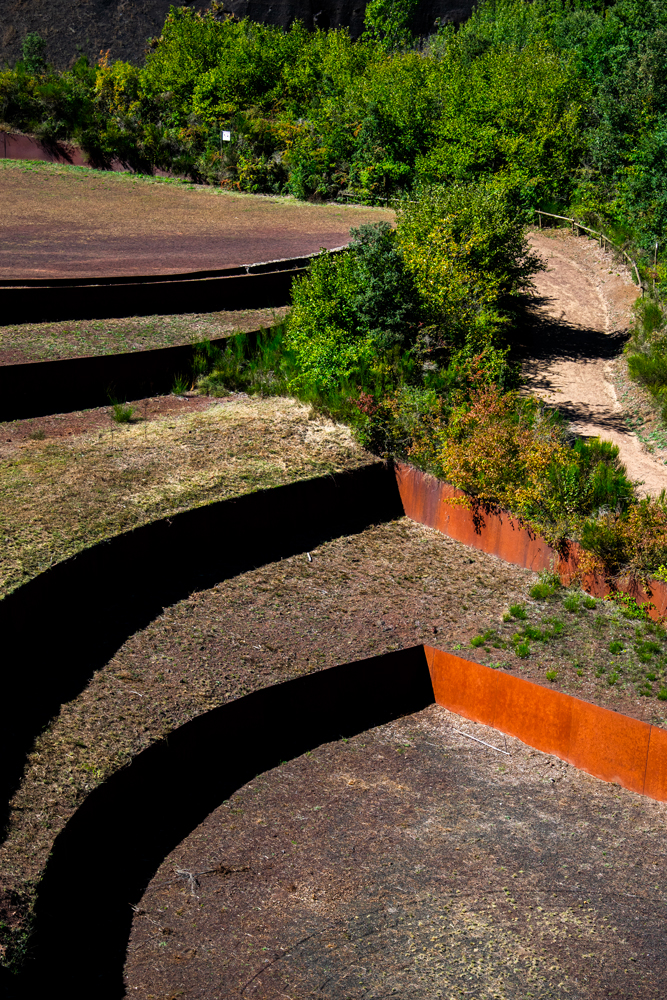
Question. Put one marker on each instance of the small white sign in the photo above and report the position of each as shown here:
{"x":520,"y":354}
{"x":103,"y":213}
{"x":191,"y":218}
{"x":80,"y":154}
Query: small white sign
{"x":226,"y":136}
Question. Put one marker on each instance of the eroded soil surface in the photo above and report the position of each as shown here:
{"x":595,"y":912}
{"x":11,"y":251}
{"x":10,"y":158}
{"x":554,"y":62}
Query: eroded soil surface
{"x":60,"y":221}
{"x":584,"y":304}
{"x":412,"y":861}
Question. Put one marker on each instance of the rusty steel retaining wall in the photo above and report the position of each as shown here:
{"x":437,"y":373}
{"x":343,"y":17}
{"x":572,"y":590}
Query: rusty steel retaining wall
{"x":429,"y":501}
{"x":609,"y":745}
{"x":14,"y":146}
{"x":130,"y":823}
{"x":38,"y":388}
{"x":159,"y":295}
{"x":68,"y":621}
{"x":216,"y":753}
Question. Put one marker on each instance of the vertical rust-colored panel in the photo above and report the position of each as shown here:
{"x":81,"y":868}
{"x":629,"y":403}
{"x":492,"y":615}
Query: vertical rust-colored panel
{"x":606,"y":744}
{"x":467,"y":688}
{"x":425,"y":499}
{"x":609,"y":745}
{"x":537,"y":716}
{"x":655,"y":784}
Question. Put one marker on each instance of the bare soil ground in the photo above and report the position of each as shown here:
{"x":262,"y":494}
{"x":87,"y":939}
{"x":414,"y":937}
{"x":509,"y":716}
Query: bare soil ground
{"x":25,"y":342}
{"x":59,"y":494}
{"x":389,"y":587}
{"x":584,"y":309}
{"x":411,"y":861}
{"x":60,"y":221}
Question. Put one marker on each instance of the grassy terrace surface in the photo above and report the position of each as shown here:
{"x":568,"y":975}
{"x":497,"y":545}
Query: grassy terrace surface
{"x":83,"y":338}
{"x":601,"y":651}
{"x":59,"y":496}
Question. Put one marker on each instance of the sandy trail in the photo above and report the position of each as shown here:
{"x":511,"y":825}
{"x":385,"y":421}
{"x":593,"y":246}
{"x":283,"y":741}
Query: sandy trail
{"x":583,"y":308}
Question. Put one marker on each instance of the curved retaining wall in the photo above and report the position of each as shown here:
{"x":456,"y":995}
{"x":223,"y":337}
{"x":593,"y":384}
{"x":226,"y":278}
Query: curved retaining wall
{"x":428,"y":500}
{"x":37,"y":388}
{"x":88,"y":605}
{"x":160,"y":295}
{"x":609,"y":745}
{"x":216,"y":753}
{"x":110,"y":849}
{"x":66,"y":623}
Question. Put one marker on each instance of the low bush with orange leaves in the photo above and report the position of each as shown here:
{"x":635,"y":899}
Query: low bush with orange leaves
{"x":508,"y":451}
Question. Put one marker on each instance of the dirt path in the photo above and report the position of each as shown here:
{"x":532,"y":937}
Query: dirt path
{"x":583,"y":306}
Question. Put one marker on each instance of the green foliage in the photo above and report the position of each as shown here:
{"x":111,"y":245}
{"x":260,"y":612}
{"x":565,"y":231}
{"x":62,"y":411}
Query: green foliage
{"x":389,"y":21}
{"x":647,"y":349}
{"x":541,"y":591}
{"x":122,"y":413}
{"x":32,"y":53}
{"x":571,"y":603}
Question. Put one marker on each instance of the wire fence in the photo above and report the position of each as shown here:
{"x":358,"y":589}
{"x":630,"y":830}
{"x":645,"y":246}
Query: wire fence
{"x":605,"y":242}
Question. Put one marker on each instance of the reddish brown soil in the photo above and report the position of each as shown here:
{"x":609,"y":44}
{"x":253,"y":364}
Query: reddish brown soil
{"x":59,"y":222}
{"x":411,"y":862}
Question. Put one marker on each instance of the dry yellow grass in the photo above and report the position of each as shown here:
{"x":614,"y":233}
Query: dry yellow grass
{"x":59,"y":497}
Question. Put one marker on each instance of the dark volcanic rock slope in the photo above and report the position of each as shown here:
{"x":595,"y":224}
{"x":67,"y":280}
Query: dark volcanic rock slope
{"x":123,"y":26}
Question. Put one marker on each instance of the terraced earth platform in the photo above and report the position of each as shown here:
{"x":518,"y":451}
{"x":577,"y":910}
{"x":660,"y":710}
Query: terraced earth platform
{"x":72,"y":222}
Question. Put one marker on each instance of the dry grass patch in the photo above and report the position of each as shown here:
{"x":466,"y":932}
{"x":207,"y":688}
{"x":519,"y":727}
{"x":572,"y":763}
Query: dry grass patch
{"x":91,"y":337}
{"x":58,"y":497}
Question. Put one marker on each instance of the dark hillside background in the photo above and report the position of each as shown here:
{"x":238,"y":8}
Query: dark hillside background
{"x":70,"y":27}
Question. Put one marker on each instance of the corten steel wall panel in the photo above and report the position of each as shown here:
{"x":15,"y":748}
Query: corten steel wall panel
{"x":57,"y":302}
{"x":603,"y":743}
{"x":609,"y":745}
{"x":655,"y":783}
{"x":130,"y":820}
{"x":425,"y":499}
{"x":24,"y":147}
{"x":40,"y":387}
{"x":469,"y":689}
{"x":535,"y":714}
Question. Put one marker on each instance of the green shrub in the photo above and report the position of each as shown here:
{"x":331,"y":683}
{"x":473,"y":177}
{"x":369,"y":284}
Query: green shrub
{"x":571,"y":603}
{"x":122,"y":413}
{"x":541,"y":591}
